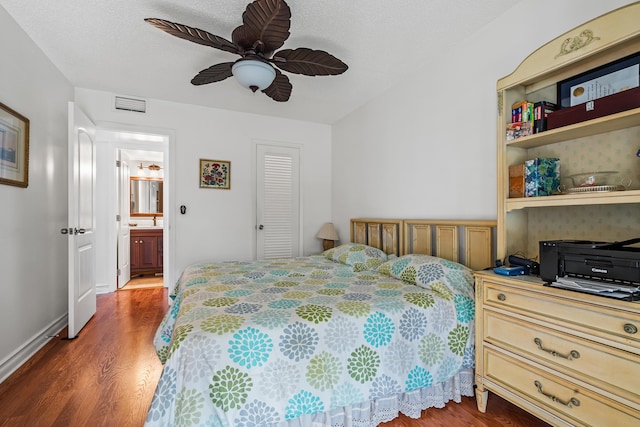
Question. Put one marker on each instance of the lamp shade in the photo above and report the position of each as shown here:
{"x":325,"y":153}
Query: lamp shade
{"x":328,"y":232}
{"x":253,"y":74}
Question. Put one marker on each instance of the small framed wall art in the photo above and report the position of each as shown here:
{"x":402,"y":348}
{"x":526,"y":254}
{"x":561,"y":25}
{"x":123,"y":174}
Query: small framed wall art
{"x":215,"y":174}
{"x":14,"y":148}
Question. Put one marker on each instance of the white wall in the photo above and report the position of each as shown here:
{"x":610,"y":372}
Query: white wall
{"x":33,"y":260}
{"x":426,"y":149}
{"x":219,"y":224}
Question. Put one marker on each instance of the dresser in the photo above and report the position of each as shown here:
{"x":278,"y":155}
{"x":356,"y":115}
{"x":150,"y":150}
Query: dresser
{"x":569,"y":358}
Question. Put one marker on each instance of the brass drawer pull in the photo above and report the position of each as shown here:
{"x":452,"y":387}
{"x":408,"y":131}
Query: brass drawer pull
{"x":501,"y":297}
{"x":630,"y":329}
{"x":573,"y":354}
{"x":570,"y":404}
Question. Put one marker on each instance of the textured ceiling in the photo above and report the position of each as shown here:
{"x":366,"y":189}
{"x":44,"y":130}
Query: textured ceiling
{"x":106,"y":45}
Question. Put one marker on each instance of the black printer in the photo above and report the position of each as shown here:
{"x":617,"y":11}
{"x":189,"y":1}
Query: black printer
{"x":614,"y":264}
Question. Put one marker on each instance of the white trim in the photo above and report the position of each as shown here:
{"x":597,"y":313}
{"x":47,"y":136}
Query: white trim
{"x":102,"y":288}
{"x":20,"y":356}
{"x":166,"y":146}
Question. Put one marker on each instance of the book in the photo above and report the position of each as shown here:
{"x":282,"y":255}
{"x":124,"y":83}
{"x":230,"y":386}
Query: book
{"x":527,"y":111}
{"x":516,"y":114}
{"x":522,"y":111}
{"x":541,"y":111}
{"x":518,"y":130}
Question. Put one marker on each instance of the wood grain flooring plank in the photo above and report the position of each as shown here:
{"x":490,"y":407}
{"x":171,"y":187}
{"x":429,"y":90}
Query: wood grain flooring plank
{"x":108,"y":374}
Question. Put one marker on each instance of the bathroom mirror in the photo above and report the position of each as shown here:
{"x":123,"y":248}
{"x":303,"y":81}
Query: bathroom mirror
{"x":146,"y":196}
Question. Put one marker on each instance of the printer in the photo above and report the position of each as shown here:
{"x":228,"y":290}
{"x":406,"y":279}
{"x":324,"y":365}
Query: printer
{"x":594,"y":267}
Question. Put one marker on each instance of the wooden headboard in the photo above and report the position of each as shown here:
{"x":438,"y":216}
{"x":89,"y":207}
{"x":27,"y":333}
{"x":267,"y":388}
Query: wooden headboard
{"x":469,"y":242}
{"x":385,"y":234}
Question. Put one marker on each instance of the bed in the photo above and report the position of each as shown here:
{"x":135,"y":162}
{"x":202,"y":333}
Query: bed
{"x":351,"y":337}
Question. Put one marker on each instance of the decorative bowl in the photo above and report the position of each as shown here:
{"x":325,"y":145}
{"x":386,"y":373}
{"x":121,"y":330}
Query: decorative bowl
{"x":592,"y":179}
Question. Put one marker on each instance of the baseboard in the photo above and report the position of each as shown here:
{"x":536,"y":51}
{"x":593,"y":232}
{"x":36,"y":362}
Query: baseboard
{"x":103,"y":289}
{"x":11,"y":363}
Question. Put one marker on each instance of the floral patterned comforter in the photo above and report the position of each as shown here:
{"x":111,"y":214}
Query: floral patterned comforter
{"x":265,"y":342}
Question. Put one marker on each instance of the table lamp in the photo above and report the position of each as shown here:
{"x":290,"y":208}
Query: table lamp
{"x":328,"y":235}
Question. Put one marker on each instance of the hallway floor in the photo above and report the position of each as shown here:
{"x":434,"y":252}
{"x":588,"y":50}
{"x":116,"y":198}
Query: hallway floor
{"x":144,"y":281}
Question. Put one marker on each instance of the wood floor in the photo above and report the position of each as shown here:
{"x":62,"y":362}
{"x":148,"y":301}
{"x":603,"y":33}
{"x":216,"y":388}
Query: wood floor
{"x":107,"y":376}
{"x":144,"y":281}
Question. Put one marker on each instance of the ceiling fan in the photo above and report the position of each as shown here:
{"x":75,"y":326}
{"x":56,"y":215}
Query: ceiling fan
{"x":265,"y":27}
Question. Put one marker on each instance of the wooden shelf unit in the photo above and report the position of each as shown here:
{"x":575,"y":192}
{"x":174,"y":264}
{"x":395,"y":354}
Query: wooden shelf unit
{"x":614,"y":36}
{"x":526,"y":333}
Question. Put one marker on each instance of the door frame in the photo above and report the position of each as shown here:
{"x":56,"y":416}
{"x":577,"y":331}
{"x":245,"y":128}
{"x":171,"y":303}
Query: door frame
{"x":114,"y":136}
{"x":277,"y":144}
{"x":123,"y":230}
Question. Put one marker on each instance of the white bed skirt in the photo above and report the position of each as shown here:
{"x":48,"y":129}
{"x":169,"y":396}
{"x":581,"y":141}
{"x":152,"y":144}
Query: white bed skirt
{"x":385,"y":409}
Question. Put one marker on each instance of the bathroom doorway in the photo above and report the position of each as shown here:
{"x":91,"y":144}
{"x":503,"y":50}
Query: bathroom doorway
{"x":141,"y":230}
{"x":124,"y":152}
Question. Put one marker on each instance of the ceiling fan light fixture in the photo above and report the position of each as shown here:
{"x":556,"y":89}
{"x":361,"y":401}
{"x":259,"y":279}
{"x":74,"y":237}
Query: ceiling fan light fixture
{"x":253,"y":74}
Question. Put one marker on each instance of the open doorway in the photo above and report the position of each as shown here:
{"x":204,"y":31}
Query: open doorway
{"x":124,"y":153}
{"x":140,"y":234}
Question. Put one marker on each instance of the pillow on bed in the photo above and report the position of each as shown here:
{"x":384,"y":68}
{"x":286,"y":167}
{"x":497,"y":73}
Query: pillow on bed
{"x":430,"y":272}
{"x":360,"y":257}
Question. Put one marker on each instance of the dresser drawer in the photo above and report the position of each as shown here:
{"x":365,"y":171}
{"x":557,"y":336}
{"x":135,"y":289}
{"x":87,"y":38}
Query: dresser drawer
{"x":605,"y":367}
{"x":568,"y":312}
{"x":563,"y":398}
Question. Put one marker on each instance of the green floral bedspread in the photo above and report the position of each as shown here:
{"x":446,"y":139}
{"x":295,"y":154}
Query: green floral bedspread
{"x":260,"y":343}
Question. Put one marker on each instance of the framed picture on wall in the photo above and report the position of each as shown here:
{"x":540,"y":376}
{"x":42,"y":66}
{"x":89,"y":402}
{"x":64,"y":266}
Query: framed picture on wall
{"x":14,"y":147}
{"x":215,"y":174}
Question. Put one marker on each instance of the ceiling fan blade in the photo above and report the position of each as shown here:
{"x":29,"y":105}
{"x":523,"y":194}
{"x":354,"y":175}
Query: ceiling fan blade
{"x":309,"y":62}
{"x":241,"y":38}
{"x":265,"y":26}
{"x":280,"y":89}
{"x":195,"y":35}
{"x":213,"y":74}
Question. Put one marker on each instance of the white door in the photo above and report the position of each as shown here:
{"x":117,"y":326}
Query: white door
{"x":278,"y":201}
{"x":123,"y":214}
{"x":82,"y":283}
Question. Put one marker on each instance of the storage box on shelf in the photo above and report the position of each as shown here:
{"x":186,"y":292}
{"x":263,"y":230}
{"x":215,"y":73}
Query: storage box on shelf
{"x":612,"y":104}
{"x":516,"y":180}
{"x":509,"y":307}
{"x":541,"y":176}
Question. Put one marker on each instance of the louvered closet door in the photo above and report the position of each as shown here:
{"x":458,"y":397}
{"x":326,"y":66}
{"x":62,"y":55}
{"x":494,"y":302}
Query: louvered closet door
{"x":278,"y":201}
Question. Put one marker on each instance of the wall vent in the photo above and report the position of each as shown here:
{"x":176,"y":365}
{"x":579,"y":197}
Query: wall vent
{"x":131,"y":104}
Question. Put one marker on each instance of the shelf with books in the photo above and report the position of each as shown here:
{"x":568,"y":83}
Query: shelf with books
{"x":606,"y":143}
{"x":622,"y":120}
